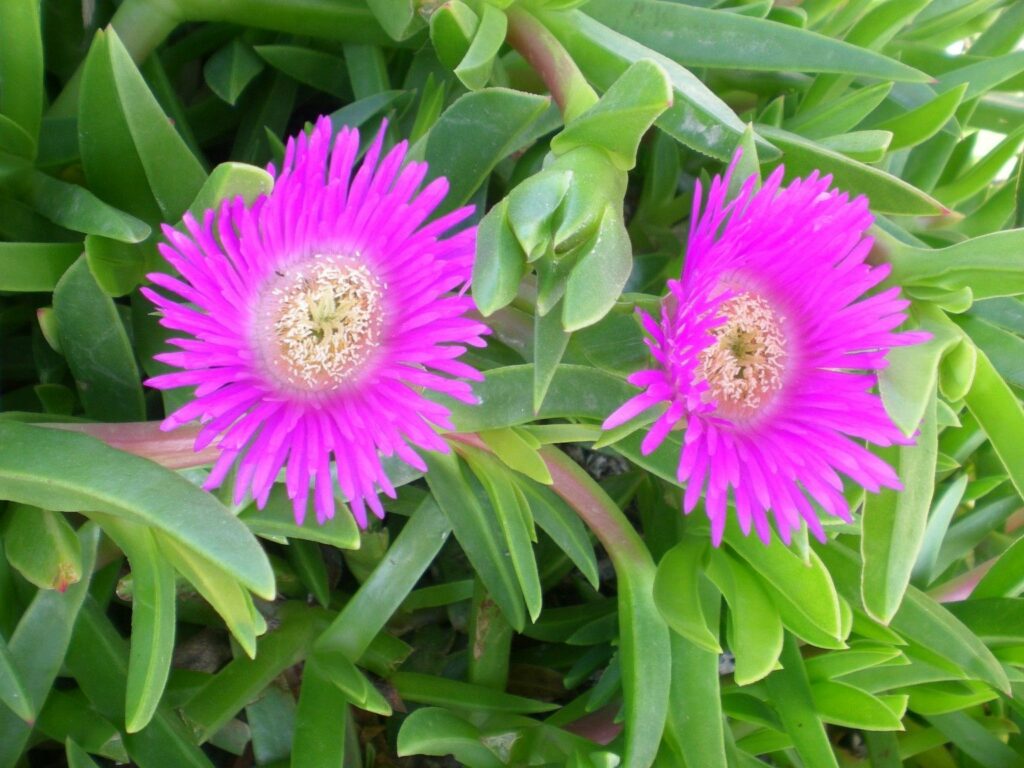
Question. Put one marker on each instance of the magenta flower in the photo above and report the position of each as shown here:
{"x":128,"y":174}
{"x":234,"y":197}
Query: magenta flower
{"x":317,"y":319}
{"x":767,"y":352}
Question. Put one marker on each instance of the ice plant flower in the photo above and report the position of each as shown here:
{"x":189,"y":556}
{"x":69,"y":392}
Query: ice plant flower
{"x":767,"y":352}
{"x":317,"y":319}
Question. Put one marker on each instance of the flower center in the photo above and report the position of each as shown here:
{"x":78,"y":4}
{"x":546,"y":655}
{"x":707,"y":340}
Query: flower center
{"x":744,"y":365}
{"x":318,"y":323}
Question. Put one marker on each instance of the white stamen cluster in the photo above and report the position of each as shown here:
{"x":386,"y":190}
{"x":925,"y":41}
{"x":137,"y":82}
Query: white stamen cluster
{"x":324,"y":319}
{"x":743,"y":367}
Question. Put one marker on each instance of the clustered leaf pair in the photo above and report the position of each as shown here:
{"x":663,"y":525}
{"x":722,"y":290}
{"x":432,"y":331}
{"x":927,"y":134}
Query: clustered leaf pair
{"x":322,"y":320}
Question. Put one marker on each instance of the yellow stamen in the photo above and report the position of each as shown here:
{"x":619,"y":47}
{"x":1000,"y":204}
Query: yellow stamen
{"x":744,"y":366}
{"x":319,"y":321}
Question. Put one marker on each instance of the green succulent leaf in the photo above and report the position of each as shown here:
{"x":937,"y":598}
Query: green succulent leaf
{"x":133,"y":157}
{"x":91,"y":476}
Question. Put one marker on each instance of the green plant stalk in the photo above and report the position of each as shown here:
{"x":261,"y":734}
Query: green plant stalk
{"x":643,"y":635}
{"x":536,"y":44}
{"x":490,"y":640}
{"x":143,"y":24}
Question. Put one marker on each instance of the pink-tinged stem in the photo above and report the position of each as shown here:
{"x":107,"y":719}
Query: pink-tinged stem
{"x":644,"y":648}
{"x":1016,"y":521}
{"x":556,"y":67}
{"x":144,"y":438}
{"x":174,"y":451}
{"x":600,"y":726}
{"x":962,"y":586}
{"x":589,"y":501}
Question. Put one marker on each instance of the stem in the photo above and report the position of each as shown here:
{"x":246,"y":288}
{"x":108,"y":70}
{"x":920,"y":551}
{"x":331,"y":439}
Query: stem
{"x":144,"y":438}
{"x":960,"y":588}
{"x":644,"y":649}
{"x":541,"y":49}
{"x":588,"y":500}
{"x":597,"y":510}
{"x":601,"y":514}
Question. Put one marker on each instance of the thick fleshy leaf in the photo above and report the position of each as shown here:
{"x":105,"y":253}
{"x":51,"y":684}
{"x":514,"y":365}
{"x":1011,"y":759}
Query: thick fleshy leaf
{"x":430,"y":689}
{"x":894,"y":521}
{"x":939,"y":518}
{"x":697,"y":118}
{"x":318,"y":739}
{"x":398,"y":17}
{"x":991,"y":265}
{"x":392,"y":580}
{"x":907,"y":384}
{"x":242,"y":679}
{"x":999,"y":413}
{"x":477,"y":132}
{"x":219,"y":588}
{"x":228,"y":181}
{"x":21,"y":65}
{"x":78,"y":757}
{"x":839,"y":115}
{"x":692,"y":36}
{"x":921,"y":123}
{"x":39,"y":643}
{"x":132,"y":155}
{"x":12,"y":689}
{"x":847,"y":705}
{"x":153,"y":614}
{"x":1006,"y":577}
{"x":436,"y":731}
{"x":793,"y":699}
{"x":513,"y":515}
{"x":34,"y":267}
{"x":321,"y":70}
{"x":622,"y":116}
{"x":518,"y":450}
{"x":62,"y":470}
{"x":755,"y":627}
{"x":506,"y":397}
{"x":277,"y":519}
{"x":479,"y":534}
{"x":231,"y":69}
{"x":677,"y":588}
{"x":452,"y":27}
{"x":102,"y":363}
{"x":923,"y":621}
{"x":887,"y":193}
{"x":78,"y":209}
{"x":42,"y":546}
{"x":500,"y":261}
{"x":695,"y":720}
{"x":475,"y":68}
{"x":564,"y":527}
{"x":98,"y":661}
{"x":800,"y":587}
{"x":597,"y":280}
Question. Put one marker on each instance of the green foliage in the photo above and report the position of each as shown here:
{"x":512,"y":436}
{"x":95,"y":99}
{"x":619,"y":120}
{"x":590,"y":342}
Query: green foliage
{"x":514,"y":607}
